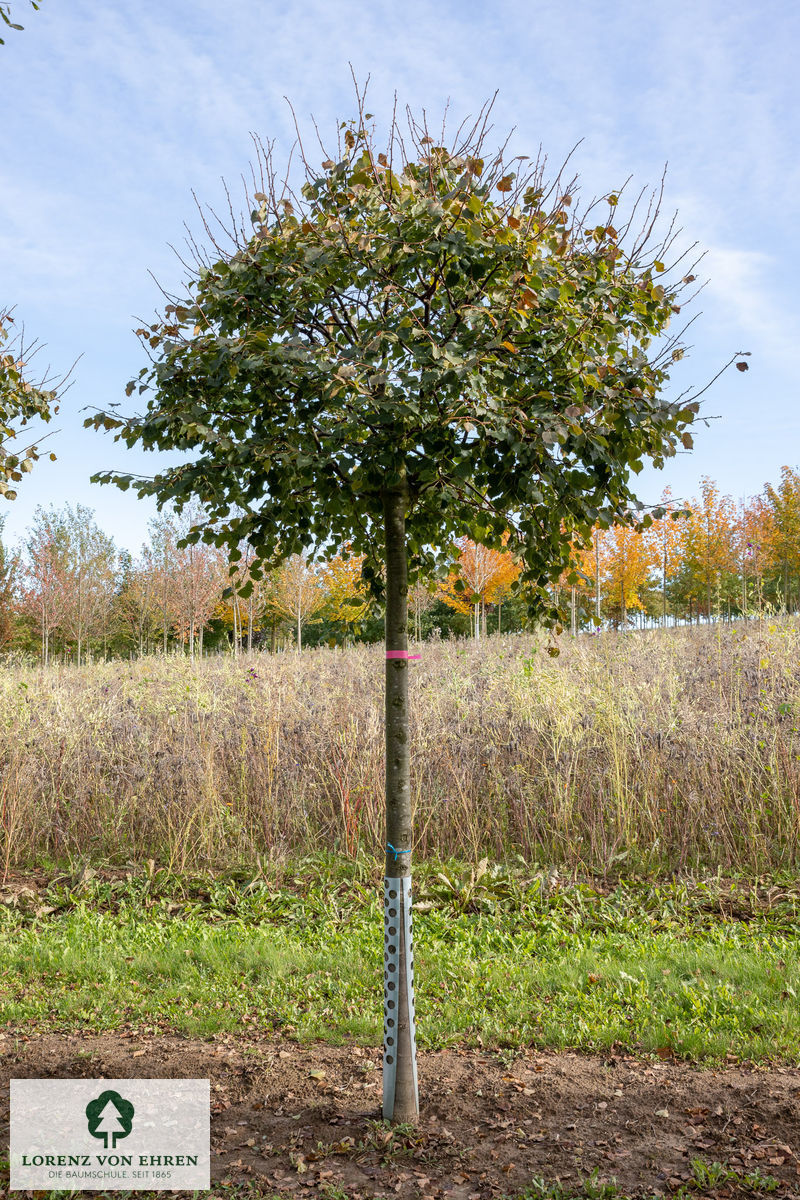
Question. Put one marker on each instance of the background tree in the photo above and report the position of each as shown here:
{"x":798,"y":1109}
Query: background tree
{"x":347,"y":599}
{"x":421,"y":598}
{"x":43,"y":570}
{"x":708,"y":544}
{"x":21,"y":402}
{"x":297,"y":592}
{"x":781,"y":529}
{"x":7,"y":20}
{"x":665,"y":541}
{"x":479,"y":573}
{"x":629,"y":560}
{"x":419,"y":343}
{"x":9,"y":569}
{"x":136,"y":607}
{"x":87,"y":572}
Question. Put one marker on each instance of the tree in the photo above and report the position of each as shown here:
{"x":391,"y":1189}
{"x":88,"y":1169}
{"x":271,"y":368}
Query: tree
{"x":86,"y":572}
{"x":21,"y":402}
{"x":5,"y":16}
{"x":665,"y":541}
{"x":137,"y":601}
{"x":708,"y":538}
{"x":419,"y":344}
{"x":347,"y":599}
{"x":782,"y":542}
{"x":234,"y":611}
{"x":480,"y":572}
{"x":197,"y":585}
{"x":628,"y":562}
{"x":9,"y":571}
{"x":296,"y":593}
{"x":110,"y":1116}
{"x":421,"y":597}
{"x":43,"y":575}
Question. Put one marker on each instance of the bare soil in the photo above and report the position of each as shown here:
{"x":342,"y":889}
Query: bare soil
{"x":296,"y":1119}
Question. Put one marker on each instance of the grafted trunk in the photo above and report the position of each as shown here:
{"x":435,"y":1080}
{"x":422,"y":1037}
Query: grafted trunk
{"x":400,"y":1099}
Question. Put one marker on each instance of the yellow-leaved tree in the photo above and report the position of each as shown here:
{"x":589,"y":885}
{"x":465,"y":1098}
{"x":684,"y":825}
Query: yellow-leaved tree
{"x":348,"y":600}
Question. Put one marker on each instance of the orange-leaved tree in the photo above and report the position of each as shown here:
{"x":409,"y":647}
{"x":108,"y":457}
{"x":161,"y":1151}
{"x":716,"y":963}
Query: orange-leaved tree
{"x":708,"y":540}
{"x":479,"y":576}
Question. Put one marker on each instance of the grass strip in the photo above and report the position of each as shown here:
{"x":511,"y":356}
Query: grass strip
{"x":693,"y":971}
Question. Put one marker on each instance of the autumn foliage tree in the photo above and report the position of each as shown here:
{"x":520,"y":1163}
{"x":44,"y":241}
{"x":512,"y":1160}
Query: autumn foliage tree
{"x":707,"y":543}
{"x":781,"y":533}
{"x":347,"y":598}
{"x":479,"y":574}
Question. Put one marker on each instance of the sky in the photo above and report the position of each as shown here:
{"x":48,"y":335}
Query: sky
{"x":117,"y":115}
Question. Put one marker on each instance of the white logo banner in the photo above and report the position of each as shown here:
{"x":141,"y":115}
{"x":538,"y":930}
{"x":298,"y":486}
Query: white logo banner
{"x":105,"y":1134}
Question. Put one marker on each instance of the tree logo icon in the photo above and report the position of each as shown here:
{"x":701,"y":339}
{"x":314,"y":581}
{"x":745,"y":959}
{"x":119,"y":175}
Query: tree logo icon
{"x":109,"y":1116}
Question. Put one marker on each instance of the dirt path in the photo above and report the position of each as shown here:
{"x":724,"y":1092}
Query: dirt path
{"x":485,"y":1128}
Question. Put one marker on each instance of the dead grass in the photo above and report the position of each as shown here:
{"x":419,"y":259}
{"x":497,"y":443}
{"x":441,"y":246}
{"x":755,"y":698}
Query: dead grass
{"x":645,"y":751}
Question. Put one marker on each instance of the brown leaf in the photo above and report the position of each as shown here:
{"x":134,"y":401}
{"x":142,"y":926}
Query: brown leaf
{"x":742,"y":366}
{"x":505,"y":184}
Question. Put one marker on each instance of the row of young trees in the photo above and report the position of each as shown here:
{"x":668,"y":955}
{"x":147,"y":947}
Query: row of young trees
{"x":715,"y":558}
{"x":69,"y":591}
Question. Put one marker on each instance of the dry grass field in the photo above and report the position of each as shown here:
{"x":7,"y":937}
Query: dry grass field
{"x":645,"y":751}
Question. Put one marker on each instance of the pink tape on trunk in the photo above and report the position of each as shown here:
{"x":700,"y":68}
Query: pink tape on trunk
{"x":401,"y":654}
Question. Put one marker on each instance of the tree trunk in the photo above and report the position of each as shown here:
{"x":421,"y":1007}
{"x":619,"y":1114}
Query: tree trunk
{"x":708,"y":597}
{"x":400,"y":1098}
{"x":664,"y":590}
{"x":299,"y":634}
{"x":164,"y":606}
{"x":274,"y":639}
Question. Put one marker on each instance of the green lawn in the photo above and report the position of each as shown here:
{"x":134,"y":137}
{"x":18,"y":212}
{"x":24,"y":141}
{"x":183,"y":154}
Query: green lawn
{"x":706,"y":969}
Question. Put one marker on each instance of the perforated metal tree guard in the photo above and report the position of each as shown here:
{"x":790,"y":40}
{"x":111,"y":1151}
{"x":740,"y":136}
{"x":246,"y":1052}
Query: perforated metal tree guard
{"x":398,"y":1000}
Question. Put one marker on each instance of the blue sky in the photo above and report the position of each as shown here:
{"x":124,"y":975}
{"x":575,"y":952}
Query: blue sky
{"x":114,"y":113}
